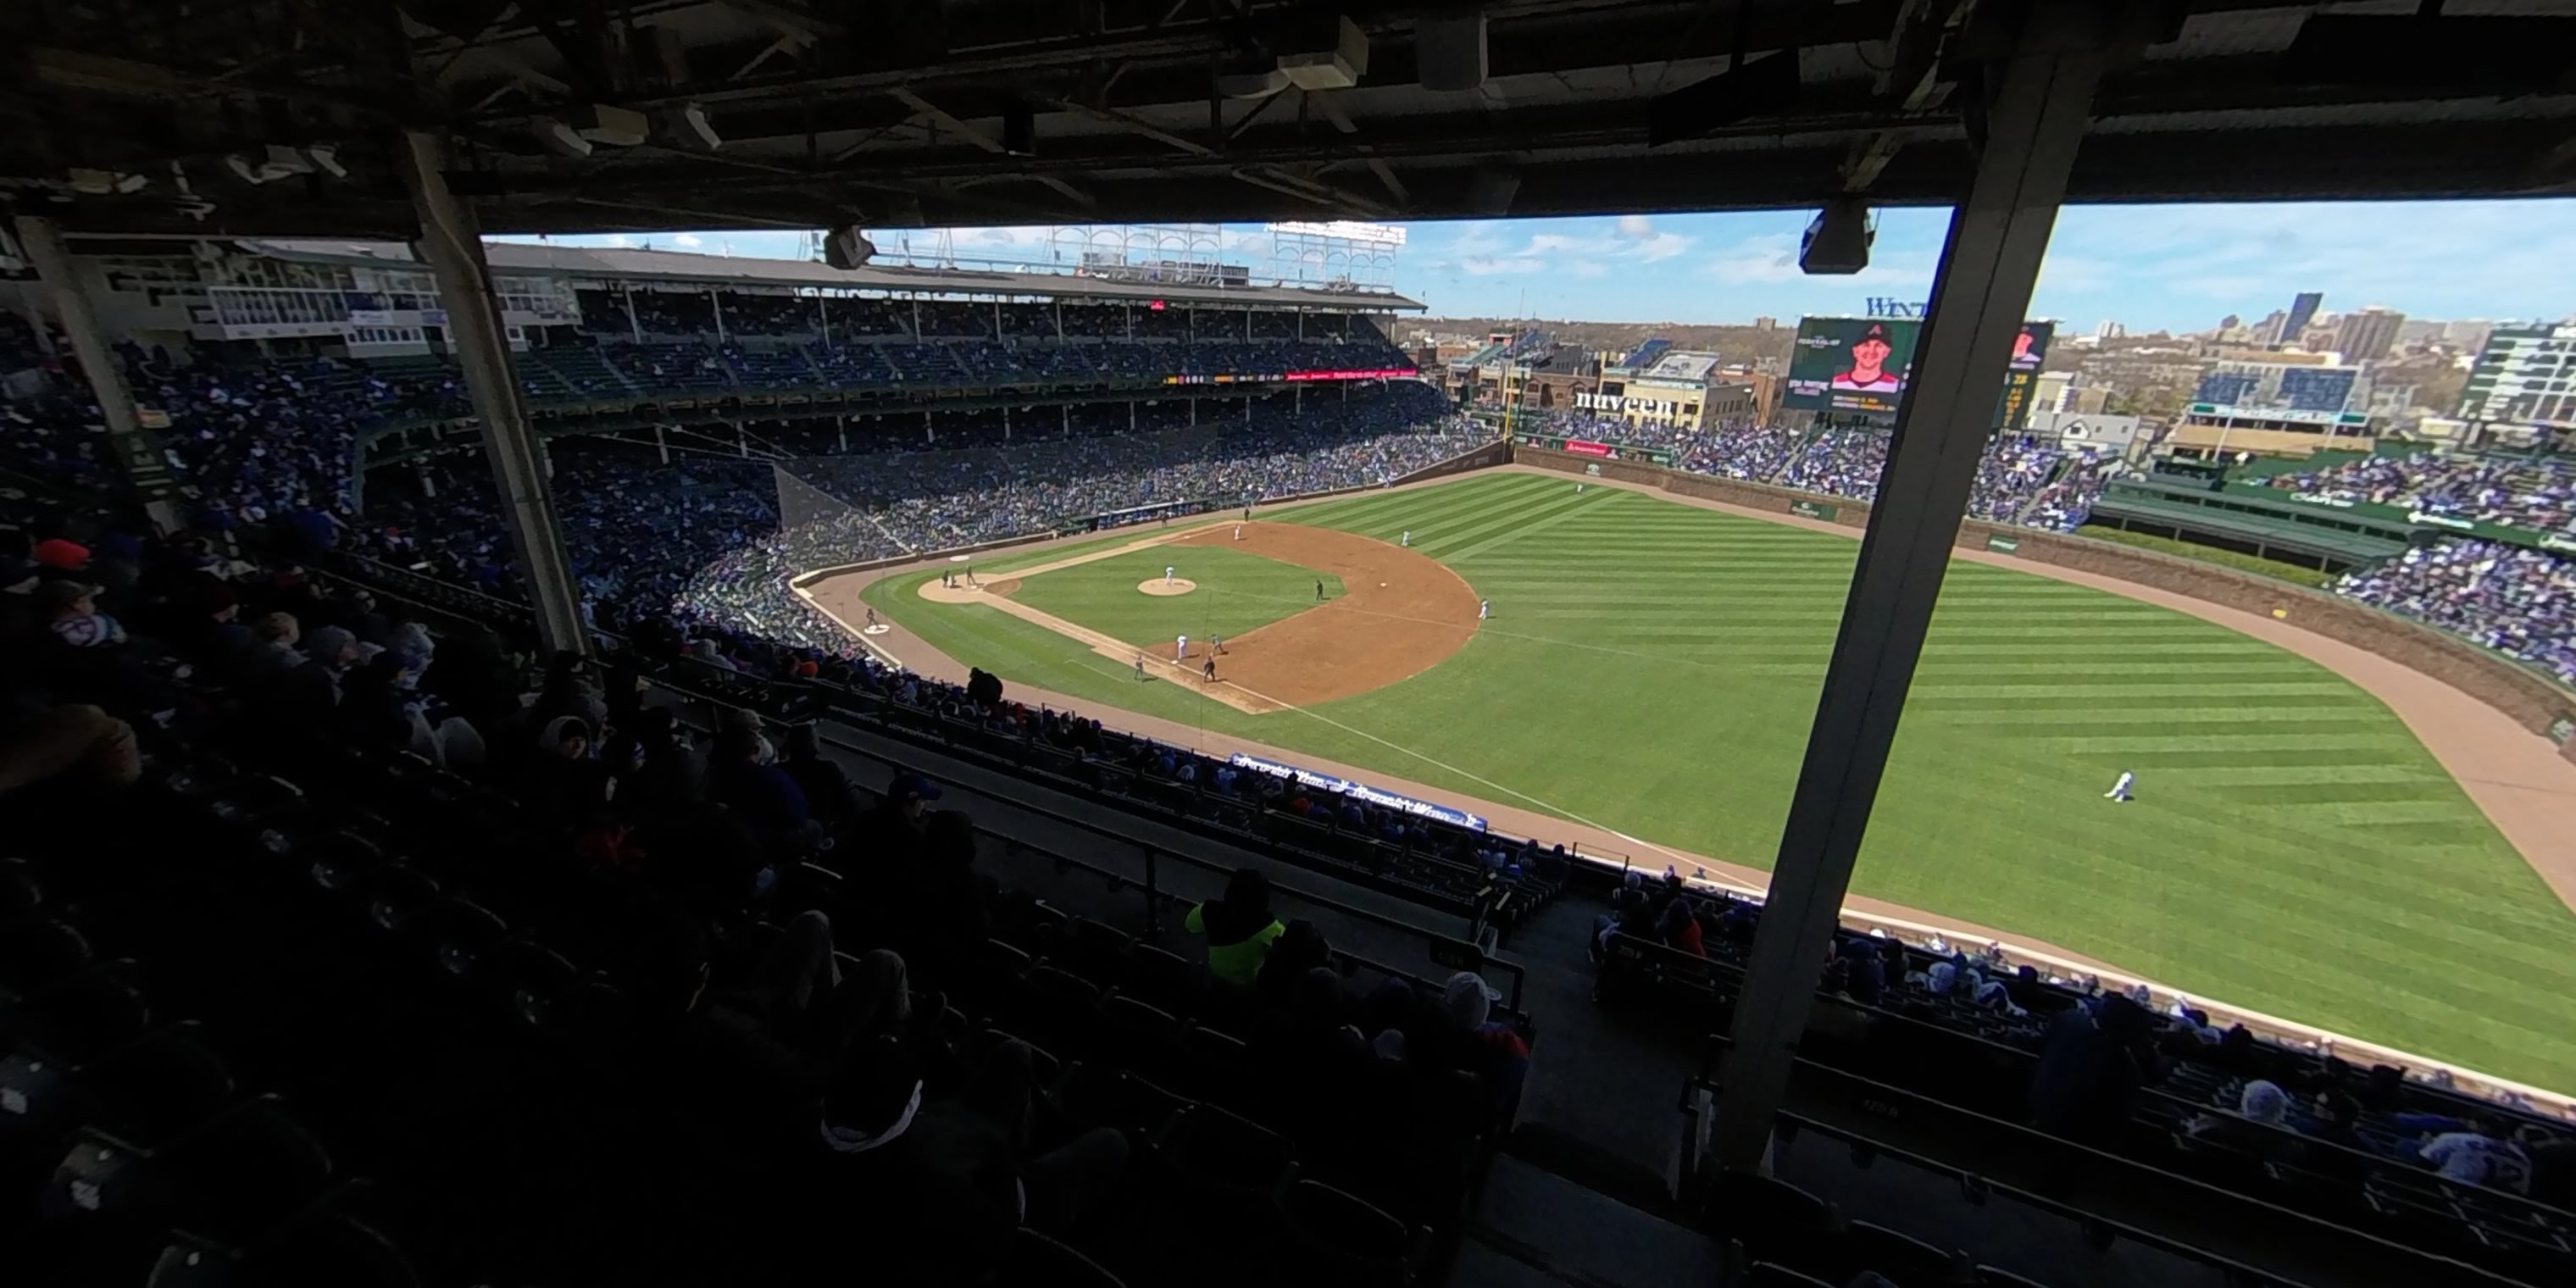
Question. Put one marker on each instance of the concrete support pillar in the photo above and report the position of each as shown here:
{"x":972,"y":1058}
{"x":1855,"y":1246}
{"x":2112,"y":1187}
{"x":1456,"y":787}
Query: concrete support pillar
{"x":451,"y":247}
{"x":137,"y":450}
{"x":841,"y":427}
{"x":634,"y":325}
{"x":1067,"y":416}
{"x":661,"y":445}
{"x":2040,"y":74}
{"x":715,"y":309}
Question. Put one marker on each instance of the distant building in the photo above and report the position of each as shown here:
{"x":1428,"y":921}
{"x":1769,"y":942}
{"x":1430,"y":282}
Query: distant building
{"x":2368,"y":335}
{"x":2293,"y":324}
{"x":2525,"y":376}
{"x":2469,"y":334}
{"x":1662,"y":385}
{"x":2285,"y":404}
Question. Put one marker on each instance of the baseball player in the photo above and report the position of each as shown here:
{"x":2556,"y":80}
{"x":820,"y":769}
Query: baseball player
{"x":1238,"y":532}
{"x":1484,"y":609}
{"x":1319,"y":592}
{"x":1578,"y":489}
{"x":1408,"y":538}
{"x":1181,"y":649}
{"x":1167,"y":574}
{"x":2120,"y":790}
{"x":1216,"y":645}
{"x":1207,"y":670}
{"x":872,"y":617}
{"x":1140,"y":664}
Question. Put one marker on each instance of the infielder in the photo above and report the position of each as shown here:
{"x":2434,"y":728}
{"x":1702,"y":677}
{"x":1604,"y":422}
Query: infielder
{"x":1484,"y":609}
{"x":1181,"y":649}
{"x":1408,"y":538}
{"x":1167,"y":574}
{"x":1140,"y":664}
{"x":1238,"y":532}
{"x":1216,"y":645}
{"x":2120,"y":790}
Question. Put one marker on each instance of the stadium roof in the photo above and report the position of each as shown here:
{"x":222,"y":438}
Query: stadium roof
{"x":939,"y":112}
{"x":611,"y":264}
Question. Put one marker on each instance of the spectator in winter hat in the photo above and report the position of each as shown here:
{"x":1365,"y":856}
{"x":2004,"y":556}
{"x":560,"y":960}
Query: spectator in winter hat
{"x":71,"y":613}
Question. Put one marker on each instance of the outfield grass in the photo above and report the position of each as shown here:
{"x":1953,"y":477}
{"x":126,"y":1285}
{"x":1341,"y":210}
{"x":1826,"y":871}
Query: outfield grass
{"x":1236,"y":592}
{"x":1653,"y":667}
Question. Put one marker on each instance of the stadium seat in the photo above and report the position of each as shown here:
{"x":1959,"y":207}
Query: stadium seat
{"x":1328,"y":1236}
{"x":1766,"y":1213}
{"x":1037,"y":1261}
{"x":1766,"y":1274}
{"x":1894,"y":1254}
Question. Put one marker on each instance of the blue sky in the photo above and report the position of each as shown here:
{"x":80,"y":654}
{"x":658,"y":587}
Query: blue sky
{"x":2172,"y":267}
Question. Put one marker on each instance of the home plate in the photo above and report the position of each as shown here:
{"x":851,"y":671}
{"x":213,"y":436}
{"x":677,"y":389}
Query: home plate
{"x":878,"y":629}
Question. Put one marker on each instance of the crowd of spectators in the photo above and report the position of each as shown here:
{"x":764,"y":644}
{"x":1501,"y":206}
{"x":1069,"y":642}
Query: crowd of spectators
{"x":2518,"y":601}
{"x":1842,"y":462}
{"x":2534,"y":492}
{"x":938,"y":500}
{"x":693,"y":315}
{"x":2019,"y":479}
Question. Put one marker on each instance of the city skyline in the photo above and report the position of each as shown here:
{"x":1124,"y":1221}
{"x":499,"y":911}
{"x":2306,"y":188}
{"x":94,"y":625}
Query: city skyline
{"x":2160,"y":268}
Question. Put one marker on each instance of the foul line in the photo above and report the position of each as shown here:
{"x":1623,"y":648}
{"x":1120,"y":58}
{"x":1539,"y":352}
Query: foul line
{"x":852,"y":631}
{"x":1558,"y":810}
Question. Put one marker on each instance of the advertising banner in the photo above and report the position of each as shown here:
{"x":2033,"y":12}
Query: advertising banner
{"x":1605,"y":451}
{"x":1293,"y":377}
{"x":2003,"y":545}
{"x":1814,"y":510}
{"x":1357,"y":790}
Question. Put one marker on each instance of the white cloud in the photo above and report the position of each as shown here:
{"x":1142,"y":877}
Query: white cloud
{"x":1488,"y":265}
{"x":2075,"y":273}
{"x":1588,"y":268}
{"x":689,"y":240}
{"x":1773,"y":259}
{"x":1635,"y":225}
{"x":620,"y":239}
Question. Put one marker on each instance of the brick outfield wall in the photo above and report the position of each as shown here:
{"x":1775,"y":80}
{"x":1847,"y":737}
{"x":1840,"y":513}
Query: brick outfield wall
{"x":2529,"y":698}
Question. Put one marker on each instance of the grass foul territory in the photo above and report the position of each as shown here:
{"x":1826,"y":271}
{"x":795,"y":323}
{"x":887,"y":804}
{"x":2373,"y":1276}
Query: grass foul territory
{"x":1654,"y":667}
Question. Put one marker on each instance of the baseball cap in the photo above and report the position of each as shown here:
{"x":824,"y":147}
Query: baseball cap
{"x":1469,"y":999}
{"x":913,"y":785}
{"x":61,"y":555}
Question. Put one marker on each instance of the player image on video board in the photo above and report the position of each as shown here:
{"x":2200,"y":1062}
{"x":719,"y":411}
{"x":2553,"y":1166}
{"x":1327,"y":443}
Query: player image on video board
{"x":1866,"y":370}
{"x":1850,"y":365}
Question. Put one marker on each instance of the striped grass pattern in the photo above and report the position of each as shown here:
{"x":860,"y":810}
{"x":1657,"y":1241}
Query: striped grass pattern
{"x":1653,"y":668}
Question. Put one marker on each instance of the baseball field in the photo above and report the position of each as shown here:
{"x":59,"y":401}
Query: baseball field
{"x":1652,"y":667}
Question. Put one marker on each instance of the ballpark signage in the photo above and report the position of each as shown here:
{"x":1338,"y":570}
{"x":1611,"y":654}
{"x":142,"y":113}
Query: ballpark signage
{"x":1605,"y":451}
{"x":1861,"y":366}
{"x":1812,"y":510}
{"x":1294,"y":377}
{"x":1355,"y":790}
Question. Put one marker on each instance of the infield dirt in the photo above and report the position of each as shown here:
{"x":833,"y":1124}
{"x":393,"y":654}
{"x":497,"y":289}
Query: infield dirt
{"x":1399,"y":614}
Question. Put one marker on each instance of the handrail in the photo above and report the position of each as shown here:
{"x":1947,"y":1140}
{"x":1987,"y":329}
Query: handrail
{"x":1445,"y":949}
{"x":2077,"y":1174}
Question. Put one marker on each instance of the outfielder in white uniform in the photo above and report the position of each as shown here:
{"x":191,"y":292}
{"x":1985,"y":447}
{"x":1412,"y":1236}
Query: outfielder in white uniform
{"x":1181,"y":648}
{"x":1484,"y":609}
{"x":1408,"y":538}
{"x":2120,"y":790}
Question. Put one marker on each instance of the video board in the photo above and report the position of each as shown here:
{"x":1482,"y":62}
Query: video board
{"x":1860,"y":366}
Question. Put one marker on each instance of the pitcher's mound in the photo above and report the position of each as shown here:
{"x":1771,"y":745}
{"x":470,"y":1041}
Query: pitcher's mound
{"x":1158,"y":586}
